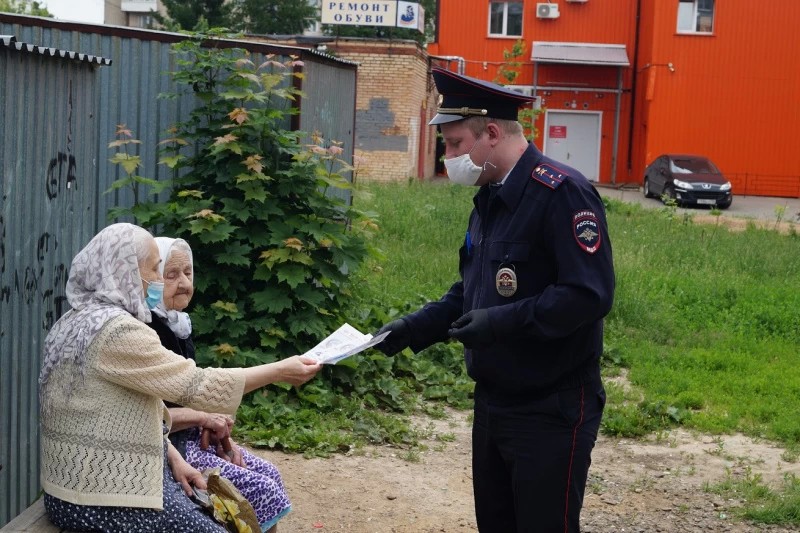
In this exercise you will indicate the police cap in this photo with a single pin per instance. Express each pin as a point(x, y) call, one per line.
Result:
point(463, 96)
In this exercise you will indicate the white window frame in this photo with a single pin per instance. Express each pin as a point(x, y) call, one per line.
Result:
point(692, 19)
point(505, 20)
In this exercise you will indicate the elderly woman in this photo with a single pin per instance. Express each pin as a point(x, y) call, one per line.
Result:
point(106, 465)
point(257, 479)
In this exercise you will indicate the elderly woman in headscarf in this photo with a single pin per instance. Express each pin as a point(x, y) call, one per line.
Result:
point(106, 464)
point(258, 480)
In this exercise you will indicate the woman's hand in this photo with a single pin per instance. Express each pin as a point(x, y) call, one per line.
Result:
point(215, 428)
point(231, 452)
point(183, 472)
point(294, 370)
point(298, 369)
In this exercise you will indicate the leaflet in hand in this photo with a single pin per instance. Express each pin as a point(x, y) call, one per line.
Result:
point(342, 343)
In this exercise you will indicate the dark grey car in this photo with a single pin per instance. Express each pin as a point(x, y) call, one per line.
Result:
point(687, 179)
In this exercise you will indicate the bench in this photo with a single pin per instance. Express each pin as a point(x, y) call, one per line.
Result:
point(34, 518)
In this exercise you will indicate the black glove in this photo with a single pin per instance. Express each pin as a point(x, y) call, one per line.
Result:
point(473, 329)
point(397, 340)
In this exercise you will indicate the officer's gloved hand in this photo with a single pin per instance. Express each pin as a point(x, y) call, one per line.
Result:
point(473, 329)
point(397, 340)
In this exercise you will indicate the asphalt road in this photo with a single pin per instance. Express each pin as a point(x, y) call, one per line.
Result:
point(757, 207)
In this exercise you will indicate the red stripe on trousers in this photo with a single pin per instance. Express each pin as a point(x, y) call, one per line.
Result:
point(571, 457)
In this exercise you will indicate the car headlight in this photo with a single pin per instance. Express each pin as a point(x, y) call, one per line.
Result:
point(726, 186)
point(682, 184)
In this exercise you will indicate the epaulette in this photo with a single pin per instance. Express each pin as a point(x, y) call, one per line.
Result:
point(548, 175)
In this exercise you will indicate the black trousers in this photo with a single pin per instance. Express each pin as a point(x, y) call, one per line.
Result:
point(530, 459)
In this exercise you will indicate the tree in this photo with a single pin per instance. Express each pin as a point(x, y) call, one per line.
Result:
point(275, 16)
point(507, 74)
point(194, 14)
point(24, 7)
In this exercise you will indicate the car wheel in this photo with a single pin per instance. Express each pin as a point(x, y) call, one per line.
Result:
point(669, 194)
point(646, 189)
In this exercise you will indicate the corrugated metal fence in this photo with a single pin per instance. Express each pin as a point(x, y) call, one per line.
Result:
point(59, 112)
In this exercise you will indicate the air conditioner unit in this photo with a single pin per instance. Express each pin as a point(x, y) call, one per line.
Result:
point(547, 11)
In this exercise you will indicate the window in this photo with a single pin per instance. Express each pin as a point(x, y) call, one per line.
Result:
point(695, 16)
point(505, 18)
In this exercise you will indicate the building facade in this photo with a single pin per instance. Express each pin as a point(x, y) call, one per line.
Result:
point(623, 81)
point(394, 102)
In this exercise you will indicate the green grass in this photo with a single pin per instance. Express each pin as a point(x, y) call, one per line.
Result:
point(760, 503)
point(421, 229)
point(706, 321)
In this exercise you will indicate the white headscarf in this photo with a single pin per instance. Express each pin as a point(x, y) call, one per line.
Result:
point(178, 321)
point(104, 282)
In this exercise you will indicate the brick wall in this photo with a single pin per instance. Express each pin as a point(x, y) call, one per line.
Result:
point(393, 106)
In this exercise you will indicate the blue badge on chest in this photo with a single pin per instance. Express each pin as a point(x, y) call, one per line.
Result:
point(586, 230)
point(548, 175)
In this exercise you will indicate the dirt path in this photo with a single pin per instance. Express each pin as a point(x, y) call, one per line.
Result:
point(634, 486)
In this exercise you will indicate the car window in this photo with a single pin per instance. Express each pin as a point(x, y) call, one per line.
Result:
point(692, 166)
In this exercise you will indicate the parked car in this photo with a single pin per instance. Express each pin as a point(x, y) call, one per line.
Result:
point(687, 179)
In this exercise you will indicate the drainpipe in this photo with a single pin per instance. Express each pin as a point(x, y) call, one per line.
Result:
point(461, 63)
point(633, 85)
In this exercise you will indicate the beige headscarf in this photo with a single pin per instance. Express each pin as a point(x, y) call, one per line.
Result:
point(104, 282)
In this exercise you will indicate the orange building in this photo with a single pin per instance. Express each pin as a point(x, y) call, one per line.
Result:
point(623, 81)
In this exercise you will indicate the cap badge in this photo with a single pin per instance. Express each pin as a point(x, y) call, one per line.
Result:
point(506, 282)
point(440, 100)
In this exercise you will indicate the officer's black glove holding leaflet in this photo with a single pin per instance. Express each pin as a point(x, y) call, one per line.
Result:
point(398, 339)
point(473, 329)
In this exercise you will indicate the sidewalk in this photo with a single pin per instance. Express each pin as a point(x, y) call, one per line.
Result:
point(757, 207)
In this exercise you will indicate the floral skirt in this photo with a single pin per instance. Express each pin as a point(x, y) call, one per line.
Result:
point(260, 482)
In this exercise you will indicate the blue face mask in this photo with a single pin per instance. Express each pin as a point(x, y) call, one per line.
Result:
point(155, 291)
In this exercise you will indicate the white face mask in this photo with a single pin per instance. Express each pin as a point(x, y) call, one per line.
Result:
point(462, 170)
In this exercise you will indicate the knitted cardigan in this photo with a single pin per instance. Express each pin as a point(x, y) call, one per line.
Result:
point(102, 444)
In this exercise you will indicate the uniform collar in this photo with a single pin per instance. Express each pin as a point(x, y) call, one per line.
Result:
point(514, 185)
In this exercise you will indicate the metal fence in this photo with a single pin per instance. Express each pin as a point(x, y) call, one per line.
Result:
point(58, 112)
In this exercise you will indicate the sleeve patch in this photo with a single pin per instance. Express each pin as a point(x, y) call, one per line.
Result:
point(586, 230)
point(548, 175)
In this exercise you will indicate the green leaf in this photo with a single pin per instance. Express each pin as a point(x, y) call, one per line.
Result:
point(171, 161)
point(228, 309)
point(293, 275)
point(272, 300)
point(235, 254)
point(253, 191)
point(128, 162)
point(309, 294)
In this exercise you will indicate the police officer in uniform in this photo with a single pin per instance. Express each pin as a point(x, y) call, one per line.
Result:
point(536, 281)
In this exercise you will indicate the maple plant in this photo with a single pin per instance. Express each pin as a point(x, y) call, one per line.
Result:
point(272, 250)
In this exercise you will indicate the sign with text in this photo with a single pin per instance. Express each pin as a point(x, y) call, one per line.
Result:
point(558, 132)
point(374, 13)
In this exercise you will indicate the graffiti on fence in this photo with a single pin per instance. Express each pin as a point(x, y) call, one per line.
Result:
point(37, 283)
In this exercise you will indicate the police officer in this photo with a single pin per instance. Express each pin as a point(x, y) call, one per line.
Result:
point(537, 279)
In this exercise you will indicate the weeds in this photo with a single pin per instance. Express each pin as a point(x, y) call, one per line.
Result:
point(760, 503)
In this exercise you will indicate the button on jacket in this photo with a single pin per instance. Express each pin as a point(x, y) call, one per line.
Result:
point(547, 224)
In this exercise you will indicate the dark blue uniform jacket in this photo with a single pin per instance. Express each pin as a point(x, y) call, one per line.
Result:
point(547, 223)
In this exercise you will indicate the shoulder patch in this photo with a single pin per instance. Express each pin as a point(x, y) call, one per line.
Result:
point(586, 230)
point(549, 176)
